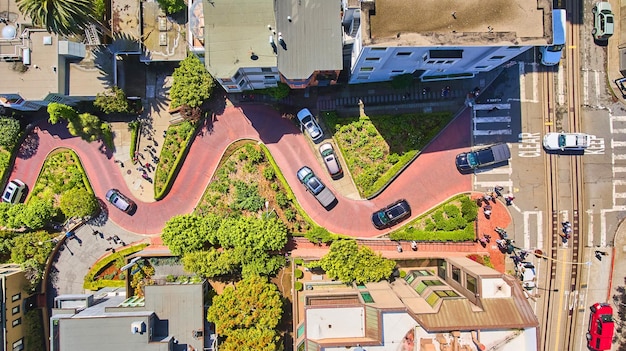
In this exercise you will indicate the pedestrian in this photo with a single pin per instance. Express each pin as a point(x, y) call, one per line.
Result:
point(414, 245)
point(487, 210)
point(498, 190)
point(509, 199)
point(487, 197)
point(399, 248)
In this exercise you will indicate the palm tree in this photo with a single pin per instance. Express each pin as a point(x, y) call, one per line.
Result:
point(63, 17)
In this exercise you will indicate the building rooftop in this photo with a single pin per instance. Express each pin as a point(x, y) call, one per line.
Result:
point(456, 23)
point(163, 38)
point(237, 35)
point(312, 35)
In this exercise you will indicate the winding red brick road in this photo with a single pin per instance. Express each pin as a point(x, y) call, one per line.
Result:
point(428, 181)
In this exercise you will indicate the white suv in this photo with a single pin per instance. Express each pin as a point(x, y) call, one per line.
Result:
point(14, 191)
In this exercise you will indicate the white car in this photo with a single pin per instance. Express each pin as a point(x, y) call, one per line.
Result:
point(310, 124)
point(330, 160)
point(566, 141)
point(13, 192)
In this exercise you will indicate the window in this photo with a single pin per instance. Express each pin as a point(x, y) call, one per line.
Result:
point(378, 49)
point(372, 58)
point(481, 67)
point(445, 54)
point(497, 57)
point(17, 322)
point(366, 69)
point(397, 71)
point(403, 53)
point(441, 270)
point(15, 310)
point(237, 75)
point(470, 283)
point(18, 345)
point(456, 274)
point(265, 69)
point(269, 77)
point(363, 76)
point(16, 297)
point(227, 80)
point(243, 81)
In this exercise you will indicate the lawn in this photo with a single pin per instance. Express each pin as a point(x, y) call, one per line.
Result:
point(61, 172)
point(244, 181)
point(451, 221)
point(376, 148)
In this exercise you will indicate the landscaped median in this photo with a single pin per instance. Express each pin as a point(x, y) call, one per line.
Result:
point(175, 147)
point(93, 280)
point(376, 148)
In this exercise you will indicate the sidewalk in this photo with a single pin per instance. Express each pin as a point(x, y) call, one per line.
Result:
point(613, 56)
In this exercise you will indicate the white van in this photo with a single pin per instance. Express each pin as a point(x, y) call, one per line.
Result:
point(551, 55)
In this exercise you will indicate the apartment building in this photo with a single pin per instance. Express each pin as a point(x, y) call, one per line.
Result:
point(15, 303)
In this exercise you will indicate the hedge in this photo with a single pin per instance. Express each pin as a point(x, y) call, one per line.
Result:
point(298, 286)
point(298, 274)
point(90, 284)
point(134, 132)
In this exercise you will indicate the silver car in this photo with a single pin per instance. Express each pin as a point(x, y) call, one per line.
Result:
point(603, 25)
point(310, 125)
point(330, 160)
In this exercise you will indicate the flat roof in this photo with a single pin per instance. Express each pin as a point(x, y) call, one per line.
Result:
point(237, 35)
point(313, 37)
point(453, 22)
point(163, 38)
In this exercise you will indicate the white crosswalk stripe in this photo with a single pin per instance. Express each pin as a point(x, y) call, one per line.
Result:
point(618, 159)
point(491, 119)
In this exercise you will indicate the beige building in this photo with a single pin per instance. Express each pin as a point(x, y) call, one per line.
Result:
point(13, 300)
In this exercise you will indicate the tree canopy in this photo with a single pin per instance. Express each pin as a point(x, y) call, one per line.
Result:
point(9, 132)
point(192, 84)
point(37, 213)
point(348, 262)
point(35, 246)
point(112, 101)
point(85, 125)
point(78, 202)
point(189, 232)
point(172, 6)
point(253, 304)
point(64, 17)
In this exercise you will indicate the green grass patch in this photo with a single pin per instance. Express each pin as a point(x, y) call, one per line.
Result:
point(453, 220)
point(175, 147)
point(61, 172)
point(134, 134)
point(90, 284)
point(376, 148)
point(237, 189)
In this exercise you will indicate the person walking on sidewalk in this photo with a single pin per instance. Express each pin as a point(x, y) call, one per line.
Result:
point(509, 199)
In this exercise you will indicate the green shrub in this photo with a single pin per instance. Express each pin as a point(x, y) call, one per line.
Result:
point(90, 284)
point(298, 274)
point(170, 278)
point(133, 126)
point(299, 261)
point(290, 215)
point(402, 274)
point(247, 197)
point(122, 276)
point(469, 209)
point(268, 173)
point(298, 286)
point(109, 276)
point(282, 200)
point(320, 235)
point(254, 155)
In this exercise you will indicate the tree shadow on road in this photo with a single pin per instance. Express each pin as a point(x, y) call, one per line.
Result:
point(29, 147)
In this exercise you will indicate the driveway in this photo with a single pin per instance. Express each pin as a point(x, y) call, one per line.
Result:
point(428, 181)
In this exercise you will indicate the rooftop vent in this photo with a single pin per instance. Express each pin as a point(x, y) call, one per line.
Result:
point(138, 327)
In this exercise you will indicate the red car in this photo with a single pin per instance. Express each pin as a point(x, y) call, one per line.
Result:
point(601, 327)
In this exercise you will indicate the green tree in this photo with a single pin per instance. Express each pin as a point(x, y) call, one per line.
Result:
point(279, 92)
point(348, 262)
point(37, 213)
point(188, 233)
point(172, 6)
point(252, 339)
point(63, 17)
point(211, 263)
point(192, 83)
point(57, 111)
point(254, 303)
point(253, 233)
point(78, 202)
point(112, 101)
point(9, 132)
point(35, 246)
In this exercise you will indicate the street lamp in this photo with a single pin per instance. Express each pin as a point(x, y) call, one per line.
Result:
point(267, 214)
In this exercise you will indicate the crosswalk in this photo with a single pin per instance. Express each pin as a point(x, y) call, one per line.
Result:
point(491, 119)
point(618, 160)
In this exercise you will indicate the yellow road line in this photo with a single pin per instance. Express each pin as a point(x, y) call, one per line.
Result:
point(557, 333)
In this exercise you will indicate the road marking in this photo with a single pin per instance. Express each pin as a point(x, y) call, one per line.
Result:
point(596, 146)
point(561, 85)
point(585, 88)
point(617, 143)
point(618, 118)
point(527, 232)
point(522, 81)
point(493, 132)
point(483, 107)
point(590, 228)
point(619, 157)
point(530, 145)
point(502, 119)
point(598, 86)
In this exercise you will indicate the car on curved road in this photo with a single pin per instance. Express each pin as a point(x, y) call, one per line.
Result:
point(566, 141)
point(601, 327)
point(467, 161)
point(310, 125)
point(119, 200)
point(13, 191)
point(315, 186)
point(391, 215)
point(330, 160)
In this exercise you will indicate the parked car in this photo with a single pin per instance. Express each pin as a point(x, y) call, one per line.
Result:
point(391, 215)
point(601, 327)
point(310, 125)
point(120, 201)
point(603, 25)
point(527, 274)
point(566, 141)
point(315, 186)
point(330, 160)
point(14, 191)
point(467, 161)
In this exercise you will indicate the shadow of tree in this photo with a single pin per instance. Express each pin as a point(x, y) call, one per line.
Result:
point(102, 217)
point(29, 147)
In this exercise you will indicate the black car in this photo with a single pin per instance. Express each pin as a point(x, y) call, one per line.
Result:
point(392, 214)
point(467, 161)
